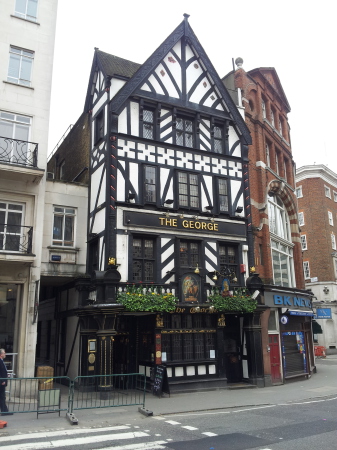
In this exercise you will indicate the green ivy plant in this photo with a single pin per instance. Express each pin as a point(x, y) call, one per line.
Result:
point(240, 301)
point(145, 298)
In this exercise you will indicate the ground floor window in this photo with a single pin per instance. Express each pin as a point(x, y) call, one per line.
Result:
point(188, 346)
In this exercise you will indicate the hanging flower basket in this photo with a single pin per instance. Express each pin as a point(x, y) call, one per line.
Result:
point(143, 299)
point(239, 301)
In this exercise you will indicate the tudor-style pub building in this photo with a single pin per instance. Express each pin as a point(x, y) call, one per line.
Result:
point(169, 208)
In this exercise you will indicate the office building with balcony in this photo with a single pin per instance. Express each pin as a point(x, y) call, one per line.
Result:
point(26, 54)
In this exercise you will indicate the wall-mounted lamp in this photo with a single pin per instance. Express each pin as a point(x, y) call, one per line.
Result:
point(239, 210)
point(326, 290)
point(131, 198)
point(209, 208)
point(168, 202)
point(197, 270)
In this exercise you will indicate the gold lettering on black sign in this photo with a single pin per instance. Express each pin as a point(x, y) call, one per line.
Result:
point(189, 224)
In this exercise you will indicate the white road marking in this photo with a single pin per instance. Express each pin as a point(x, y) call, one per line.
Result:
point(144, 446)
point(63, 432)
point(187, 427)
point(172, 422)
point(74, 441)
point(158, 418)
point(209, 433)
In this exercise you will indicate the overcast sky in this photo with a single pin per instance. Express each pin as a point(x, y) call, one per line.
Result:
point(295, 37)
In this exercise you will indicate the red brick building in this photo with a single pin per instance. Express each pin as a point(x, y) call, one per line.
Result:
point(274, 223)
point(316, 190)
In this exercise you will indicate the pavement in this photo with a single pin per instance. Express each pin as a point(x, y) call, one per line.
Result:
point(320, 385)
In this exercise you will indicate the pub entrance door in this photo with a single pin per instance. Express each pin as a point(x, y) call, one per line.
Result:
point(275, 361)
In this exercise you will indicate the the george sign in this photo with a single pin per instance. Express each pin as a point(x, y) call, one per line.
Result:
point(323, 313)
point(160, 382)
point(174, 223)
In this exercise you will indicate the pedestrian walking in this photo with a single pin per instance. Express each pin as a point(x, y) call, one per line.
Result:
point(3, 384)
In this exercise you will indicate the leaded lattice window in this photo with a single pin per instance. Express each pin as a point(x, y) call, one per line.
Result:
point(148, 124)
point(143, 259)
point(217, 139)
point(150, 184)
point(223, 194)
point(184, 132)
point(189, 254)
point(188, 188)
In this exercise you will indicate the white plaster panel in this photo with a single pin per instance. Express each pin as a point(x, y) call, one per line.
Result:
point(175, 68)
point(209, 185)
point(203, 200)
point(164, 173)
point(189, 52)
point(102, 255)
point(95, 181)
point(204, 145)
point(237, 151)
point(122, 254)
point(235, 169)
point(203, 125)
point(209, 101)
point(179, 372)
point(134, 174)
point(153, 81)
point(122, 122)
point(211, 369)
point(166, 254)
point(190, 370)
point(163, 156)
point(192, 74)
point(99, 223)
point(169, 372)
point(177, 49)
point(145, 87)
point(151, 153)
point(134, 109)
point(116, 85)
point(167, 120)
point(100, 103)
point(232, 136)
point(235, 186)
point(120, 184)
point(172, 92)
point(220, 107)
point(200, 91)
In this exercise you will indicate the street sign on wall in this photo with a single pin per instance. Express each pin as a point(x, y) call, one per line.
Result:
point(323, 313)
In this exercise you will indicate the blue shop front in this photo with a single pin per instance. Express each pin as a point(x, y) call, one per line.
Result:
point(290, 326)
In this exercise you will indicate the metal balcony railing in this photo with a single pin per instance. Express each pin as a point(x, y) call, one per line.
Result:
point(14, 151)
point(15, 238)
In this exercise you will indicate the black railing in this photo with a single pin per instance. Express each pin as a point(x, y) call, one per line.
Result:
point(14, 151)
point(16, 238)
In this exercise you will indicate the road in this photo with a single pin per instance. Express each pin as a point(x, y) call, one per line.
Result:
point(310, 424)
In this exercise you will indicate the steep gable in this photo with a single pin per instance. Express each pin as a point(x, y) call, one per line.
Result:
point(271, 76)
point(180, 72)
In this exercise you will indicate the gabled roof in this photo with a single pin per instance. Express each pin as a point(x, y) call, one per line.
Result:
point(114, 66)
point(138, 74)
point(271, 76)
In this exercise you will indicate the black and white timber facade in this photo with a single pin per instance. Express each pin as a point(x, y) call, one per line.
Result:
point(168, 200)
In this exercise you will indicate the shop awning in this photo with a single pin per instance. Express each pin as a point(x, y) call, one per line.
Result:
point(300, 312)
point(316, 328)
